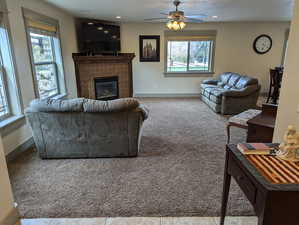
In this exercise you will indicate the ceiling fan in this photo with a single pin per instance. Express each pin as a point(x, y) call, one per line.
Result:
point(176, 19)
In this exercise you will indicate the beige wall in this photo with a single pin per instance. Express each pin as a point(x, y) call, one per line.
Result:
point(6, 199)
point(234, 52)
point(289, 101)
point(68, 43)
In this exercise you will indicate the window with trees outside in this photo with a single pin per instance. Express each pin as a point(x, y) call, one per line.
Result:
point(189, 56)
point(46, 59)
point(190, 52)
point(44, 65)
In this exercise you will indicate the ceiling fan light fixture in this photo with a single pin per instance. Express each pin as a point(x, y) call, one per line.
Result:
point(169, 25)
point(176, 25)
point(182, 25)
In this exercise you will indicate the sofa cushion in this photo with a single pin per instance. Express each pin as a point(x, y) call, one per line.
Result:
point(216, 99)
point(204, 86)
point(224, 78)
point(234, 79)
point(245, 81)
point(212, 105)
point(207, 91)
point(227, 87)
point(220, 84)
point(216, 95)
point(117, 105)
point(56, 105)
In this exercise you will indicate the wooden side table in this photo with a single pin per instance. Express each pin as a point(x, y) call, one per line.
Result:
point(261, 127)
point(241, 120)
point(270, 184)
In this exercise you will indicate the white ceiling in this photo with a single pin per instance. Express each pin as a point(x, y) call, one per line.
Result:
point(138, 10)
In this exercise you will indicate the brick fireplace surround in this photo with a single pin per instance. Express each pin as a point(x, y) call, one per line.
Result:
point(90, 67)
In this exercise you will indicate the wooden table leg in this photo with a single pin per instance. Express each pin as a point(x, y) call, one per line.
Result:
point(225, 193)
point(228, 133)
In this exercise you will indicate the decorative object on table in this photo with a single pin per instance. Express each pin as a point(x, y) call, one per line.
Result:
point(231, 93)
point(289, 149)
point(275, 84)
point(262, 44)
point(149, 48)
point(240, 120)
point(176, 20)
point(258, 148)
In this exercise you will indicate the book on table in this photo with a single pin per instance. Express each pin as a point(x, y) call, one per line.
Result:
point(258, 148)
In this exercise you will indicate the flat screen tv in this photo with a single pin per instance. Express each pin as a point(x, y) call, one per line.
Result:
point(97, 37)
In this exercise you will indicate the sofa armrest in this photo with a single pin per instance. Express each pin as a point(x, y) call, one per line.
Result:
point(213, 82)
point(242, 92)
point(144, 111)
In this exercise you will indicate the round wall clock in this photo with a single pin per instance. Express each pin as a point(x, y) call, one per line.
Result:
point(262, 44)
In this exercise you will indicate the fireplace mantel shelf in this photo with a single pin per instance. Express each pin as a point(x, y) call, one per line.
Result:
point(121, 58)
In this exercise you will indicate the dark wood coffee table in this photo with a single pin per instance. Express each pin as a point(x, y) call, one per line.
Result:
point(270, 184)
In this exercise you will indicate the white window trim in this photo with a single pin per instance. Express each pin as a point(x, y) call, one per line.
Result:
point(57, 51)
point(190, 35)
point(285, 47)
point(11, 121)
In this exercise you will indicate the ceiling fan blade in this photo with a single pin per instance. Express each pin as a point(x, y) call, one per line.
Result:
point(162, 13)
point(194, 20)
point(200, 15)
point(155, 19)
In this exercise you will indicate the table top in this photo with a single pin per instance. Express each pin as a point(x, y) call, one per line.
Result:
point(269, 171)
point(263, 120)
point(275, 170)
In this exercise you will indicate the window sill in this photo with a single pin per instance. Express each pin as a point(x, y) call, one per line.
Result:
point(189, 74)
point(12, 123)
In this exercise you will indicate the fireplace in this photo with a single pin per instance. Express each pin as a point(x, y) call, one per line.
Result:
point(106, 88)
point(88, 68)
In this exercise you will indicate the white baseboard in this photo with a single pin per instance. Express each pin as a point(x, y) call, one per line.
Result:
point(11, 218)
point(165, 95)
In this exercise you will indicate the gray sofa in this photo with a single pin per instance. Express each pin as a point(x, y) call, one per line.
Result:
point(85, 128)
point(231, 93)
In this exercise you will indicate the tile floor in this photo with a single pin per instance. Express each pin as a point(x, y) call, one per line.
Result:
point(143, 221)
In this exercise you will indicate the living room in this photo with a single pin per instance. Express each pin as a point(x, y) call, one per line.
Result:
point(168, 174)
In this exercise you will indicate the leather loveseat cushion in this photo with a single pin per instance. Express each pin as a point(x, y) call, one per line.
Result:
point(245, 81)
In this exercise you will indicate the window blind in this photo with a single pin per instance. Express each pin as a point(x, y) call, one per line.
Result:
point(40, 24)
point(189, 35)
point(41, 28)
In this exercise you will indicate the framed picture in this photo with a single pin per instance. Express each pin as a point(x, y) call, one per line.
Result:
point(149, 48)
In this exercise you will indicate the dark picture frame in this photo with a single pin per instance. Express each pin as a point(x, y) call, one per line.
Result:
point(149, 48)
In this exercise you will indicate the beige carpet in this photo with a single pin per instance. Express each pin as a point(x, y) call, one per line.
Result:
point(179, 172)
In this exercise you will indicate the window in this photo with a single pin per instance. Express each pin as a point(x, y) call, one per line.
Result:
point(44, 43)
point(44, 65)
point(4, 106)
point(187, 53)
point(10, 108)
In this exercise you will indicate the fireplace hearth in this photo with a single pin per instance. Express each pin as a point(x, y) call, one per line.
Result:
point(106, 88)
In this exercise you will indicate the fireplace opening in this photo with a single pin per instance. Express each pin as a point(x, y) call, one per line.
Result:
point(106, 88)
